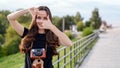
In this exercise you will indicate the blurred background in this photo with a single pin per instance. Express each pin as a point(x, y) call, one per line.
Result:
point(77, 18)
point(108, 10)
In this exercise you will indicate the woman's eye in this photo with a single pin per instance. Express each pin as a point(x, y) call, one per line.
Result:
point(45, 18)
point(38, 17)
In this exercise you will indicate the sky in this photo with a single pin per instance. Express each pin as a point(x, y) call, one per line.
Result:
point(109, 10)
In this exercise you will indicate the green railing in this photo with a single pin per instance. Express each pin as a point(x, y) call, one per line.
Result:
point(71, 57)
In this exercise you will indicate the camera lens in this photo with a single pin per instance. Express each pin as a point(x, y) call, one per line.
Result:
point(38, 60)
point(39, 53)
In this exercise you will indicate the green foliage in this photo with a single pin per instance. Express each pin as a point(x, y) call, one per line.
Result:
point(87, 24)
point(77, 18)
point(12, 42)
point(12, 47)
point(87, 31)
point(80, 26)
point(1, 53)
point(25, 18)
point(3, 24)
point(1, 39)
point(3, 20)
point(57, 21)
point(68, 21)
point(5, 12)
point(95, 19)
point(12, 61)
point(8, 37)
point(69, 34)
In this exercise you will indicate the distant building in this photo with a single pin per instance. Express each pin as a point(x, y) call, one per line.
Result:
point(103, 27)
point(74, 28)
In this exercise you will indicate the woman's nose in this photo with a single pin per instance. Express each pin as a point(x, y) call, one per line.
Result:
point(40, 20)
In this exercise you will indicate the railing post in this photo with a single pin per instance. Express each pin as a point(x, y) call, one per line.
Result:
point(65, 57)
point(70, 57)
point(74, 54)
point(79, 49)
point(58, 62)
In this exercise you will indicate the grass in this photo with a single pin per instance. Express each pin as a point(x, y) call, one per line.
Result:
point(12, 61)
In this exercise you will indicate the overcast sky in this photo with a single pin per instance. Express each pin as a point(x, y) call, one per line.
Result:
point(109, 9)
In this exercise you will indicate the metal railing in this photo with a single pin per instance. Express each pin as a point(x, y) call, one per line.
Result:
point(71, 57)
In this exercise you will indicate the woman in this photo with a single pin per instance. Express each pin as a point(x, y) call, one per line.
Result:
point(41, 32)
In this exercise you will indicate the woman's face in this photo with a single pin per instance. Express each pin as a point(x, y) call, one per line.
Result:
point(41, 17)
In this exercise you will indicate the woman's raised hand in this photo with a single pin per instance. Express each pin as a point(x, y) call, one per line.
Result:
point(33, 12)
point(47, 24)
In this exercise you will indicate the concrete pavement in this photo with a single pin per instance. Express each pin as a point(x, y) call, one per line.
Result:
point(106, 52)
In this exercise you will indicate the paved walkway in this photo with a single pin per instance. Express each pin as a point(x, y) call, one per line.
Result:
point(106, 52)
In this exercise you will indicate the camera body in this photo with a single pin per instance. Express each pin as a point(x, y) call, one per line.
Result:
point(38, 53)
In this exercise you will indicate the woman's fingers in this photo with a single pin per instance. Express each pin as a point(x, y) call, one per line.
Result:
point(33, 11)
point(48, 17)
point(36, 10)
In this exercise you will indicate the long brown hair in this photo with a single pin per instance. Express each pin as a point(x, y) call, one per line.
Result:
point(51, 38)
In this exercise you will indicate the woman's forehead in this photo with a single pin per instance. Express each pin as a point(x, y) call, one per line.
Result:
point(41, 13)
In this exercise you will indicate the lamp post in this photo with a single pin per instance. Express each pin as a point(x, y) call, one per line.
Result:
point(63, 25)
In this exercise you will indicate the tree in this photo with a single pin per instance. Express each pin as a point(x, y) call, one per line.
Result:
point(1, 53)
point(68, 19)
point(80, 26)
point(3, 24)
point(77, 18)
point(25, 18)
point(5, 12)
point(95, 19)
point(3, 17)
point(12, 42)
point(87, 23)
point(1, 39)
point(57, 21)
